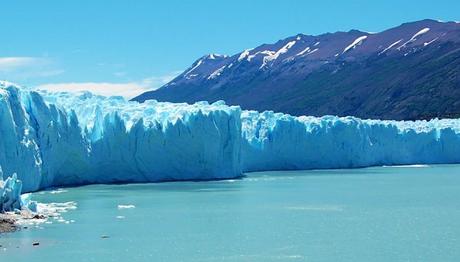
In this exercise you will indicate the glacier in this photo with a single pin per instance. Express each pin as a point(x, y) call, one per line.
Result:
point(10, 195)
point(61, 139)
point(276, 141)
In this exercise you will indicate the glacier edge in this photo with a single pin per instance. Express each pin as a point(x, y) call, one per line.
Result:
point(58, 139)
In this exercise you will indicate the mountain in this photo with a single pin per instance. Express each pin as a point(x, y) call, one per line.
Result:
point(408, 72)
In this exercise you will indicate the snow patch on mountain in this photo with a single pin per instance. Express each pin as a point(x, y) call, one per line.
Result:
point(304, 51)
point(358, 41)
point(430, 42)
point(264, 52)
point(194, 67)
point(390, 46)
point(414, 37)
point(243, 55)
point(272, 57)
point(217, 73)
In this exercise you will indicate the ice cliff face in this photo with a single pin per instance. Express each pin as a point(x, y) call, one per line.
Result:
point(54, 139)
point(106, 140)
point(275, 141)
point(10, 195)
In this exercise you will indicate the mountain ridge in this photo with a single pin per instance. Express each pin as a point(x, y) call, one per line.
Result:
point(318, 75)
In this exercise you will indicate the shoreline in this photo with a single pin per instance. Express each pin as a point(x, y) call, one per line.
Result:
point(8, 223)
point(11, 222)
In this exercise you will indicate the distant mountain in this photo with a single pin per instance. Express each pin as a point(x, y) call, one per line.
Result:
point(408, 72)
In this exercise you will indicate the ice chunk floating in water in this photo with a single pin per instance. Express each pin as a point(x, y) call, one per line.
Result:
point(55, 139)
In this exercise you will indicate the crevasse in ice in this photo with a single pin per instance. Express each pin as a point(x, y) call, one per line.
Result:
point(55, 139)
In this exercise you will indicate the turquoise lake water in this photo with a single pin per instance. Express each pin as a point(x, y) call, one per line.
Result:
point(371, 214)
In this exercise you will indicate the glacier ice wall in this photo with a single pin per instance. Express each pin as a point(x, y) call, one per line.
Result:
point(10, 193)
point(55, 139)
point(92, 139)
point(275, 141)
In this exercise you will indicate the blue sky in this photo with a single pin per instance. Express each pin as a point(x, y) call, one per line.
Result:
point(126, 47)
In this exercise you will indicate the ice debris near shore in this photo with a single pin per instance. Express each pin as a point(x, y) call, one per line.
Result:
point(55, 139)
point(10, 195)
